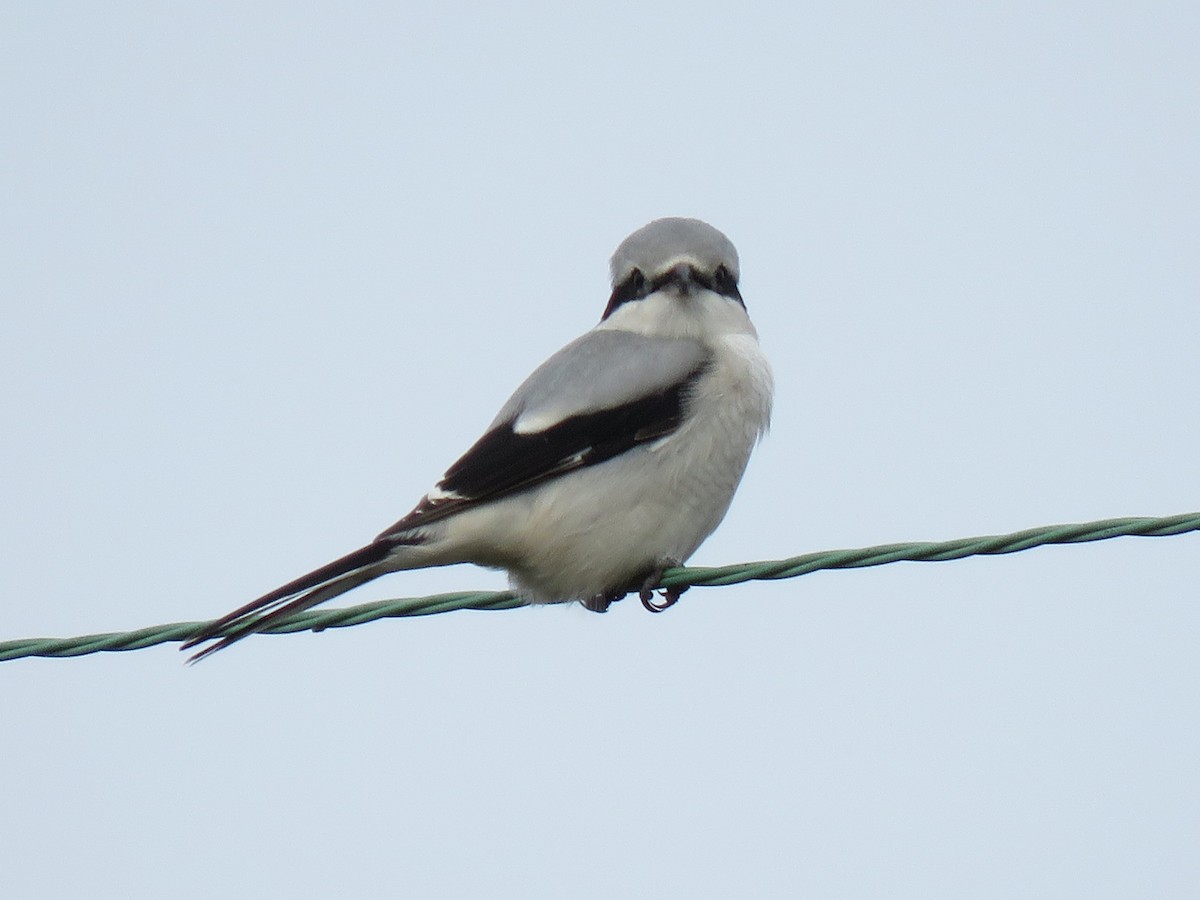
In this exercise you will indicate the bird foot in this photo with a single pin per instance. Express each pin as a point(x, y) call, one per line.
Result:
point(601, 602)
point(670, 596)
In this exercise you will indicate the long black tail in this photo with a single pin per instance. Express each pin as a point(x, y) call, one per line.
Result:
point(322, 584)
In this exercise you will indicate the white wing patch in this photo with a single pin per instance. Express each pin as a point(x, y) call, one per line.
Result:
point(538, 420)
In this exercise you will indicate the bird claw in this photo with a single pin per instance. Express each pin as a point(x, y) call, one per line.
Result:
point(670, 598)
point(670, 595)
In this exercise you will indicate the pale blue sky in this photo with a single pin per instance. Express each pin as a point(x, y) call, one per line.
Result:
point(267, 270)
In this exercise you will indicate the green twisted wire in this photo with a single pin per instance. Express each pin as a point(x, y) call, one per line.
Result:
point(320, 619)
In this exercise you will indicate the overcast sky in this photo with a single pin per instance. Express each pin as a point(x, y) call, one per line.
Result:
point(267, 270)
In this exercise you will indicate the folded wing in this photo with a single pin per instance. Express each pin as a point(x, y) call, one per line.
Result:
point(598, 397)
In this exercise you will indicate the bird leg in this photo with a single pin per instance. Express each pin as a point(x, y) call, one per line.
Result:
point(670, 595)
point(601, 602)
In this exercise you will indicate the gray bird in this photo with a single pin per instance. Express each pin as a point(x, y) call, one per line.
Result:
point(613, 461)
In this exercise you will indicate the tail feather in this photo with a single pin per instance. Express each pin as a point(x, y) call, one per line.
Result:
point(325, 583)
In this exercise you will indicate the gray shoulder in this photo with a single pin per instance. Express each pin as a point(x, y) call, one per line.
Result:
point(601, 370)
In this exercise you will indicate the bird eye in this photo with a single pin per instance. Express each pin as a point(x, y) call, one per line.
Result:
point(632, 288)
point(723, 279)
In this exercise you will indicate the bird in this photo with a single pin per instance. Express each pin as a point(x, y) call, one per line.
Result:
point(611, 463)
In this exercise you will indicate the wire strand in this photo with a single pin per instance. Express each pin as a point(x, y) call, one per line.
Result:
point(767, 570)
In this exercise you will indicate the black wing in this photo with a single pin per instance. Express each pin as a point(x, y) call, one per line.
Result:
point(505, 461)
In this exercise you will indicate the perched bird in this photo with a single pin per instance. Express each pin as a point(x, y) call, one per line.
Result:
point(613, 461)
